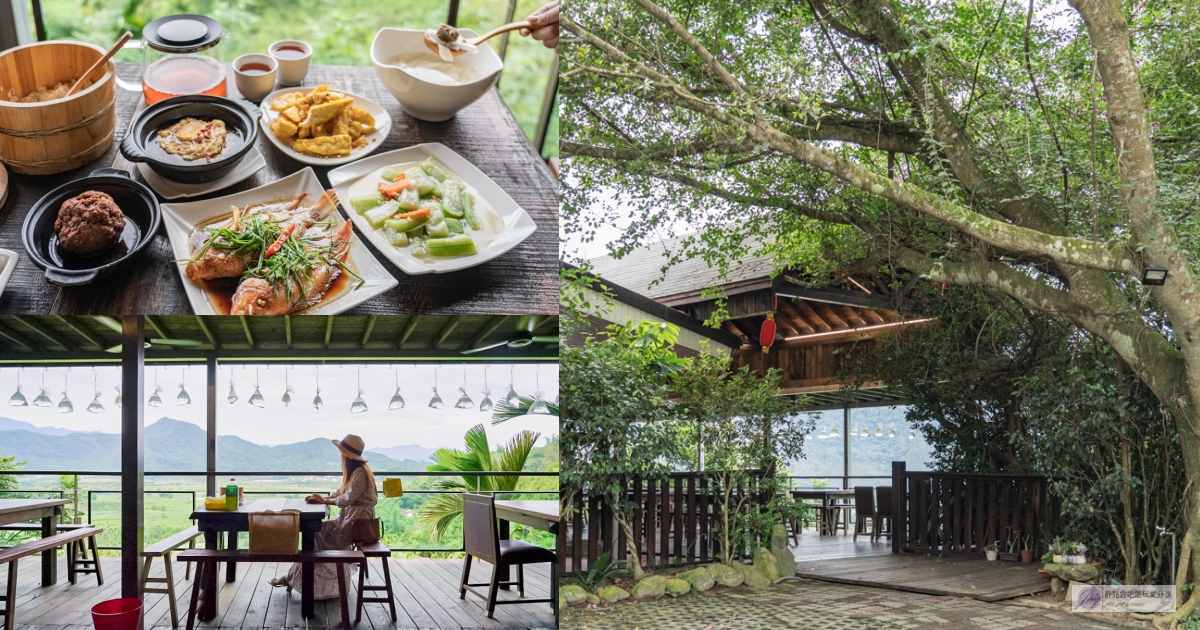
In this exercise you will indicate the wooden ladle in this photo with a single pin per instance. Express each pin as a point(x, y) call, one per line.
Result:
point(432, 45)
point(101, 63)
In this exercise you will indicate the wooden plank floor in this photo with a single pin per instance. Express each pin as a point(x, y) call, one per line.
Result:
point(814, 546)
point(960, 577)
point(426, 597)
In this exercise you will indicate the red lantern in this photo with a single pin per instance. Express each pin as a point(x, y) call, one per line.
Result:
point(766, 336)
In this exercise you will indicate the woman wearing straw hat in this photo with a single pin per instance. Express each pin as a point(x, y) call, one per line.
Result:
point(357, 498)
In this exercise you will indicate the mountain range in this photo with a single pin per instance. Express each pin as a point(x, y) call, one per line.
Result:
point(172, 445)
point(8, 424)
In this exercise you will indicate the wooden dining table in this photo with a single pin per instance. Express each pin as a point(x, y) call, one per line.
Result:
point(213, 523)
point(524, 280)
point(45, 510)
point(827, 497)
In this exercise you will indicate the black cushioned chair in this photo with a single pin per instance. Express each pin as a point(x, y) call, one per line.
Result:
point(481, 539)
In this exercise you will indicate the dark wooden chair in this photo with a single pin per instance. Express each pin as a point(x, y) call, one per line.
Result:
point(375, 549)
point(883, 512)
point(481, 539)
point(864, 508)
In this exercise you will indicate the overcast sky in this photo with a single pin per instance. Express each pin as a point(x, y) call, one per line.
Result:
point(277, 424)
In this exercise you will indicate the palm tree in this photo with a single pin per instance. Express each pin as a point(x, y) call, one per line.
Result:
point(443, 509)
point(504, 411)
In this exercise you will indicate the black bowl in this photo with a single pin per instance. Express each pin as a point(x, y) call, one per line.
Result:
point(142, 218)
point(241, 116)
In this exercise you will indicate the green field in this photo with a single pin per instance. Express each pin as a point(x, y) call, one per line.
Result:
point(340, 33)
point(167, 510)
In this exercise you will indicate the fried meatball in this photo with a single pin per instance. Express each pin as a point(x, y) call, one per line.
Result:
point(89, 224)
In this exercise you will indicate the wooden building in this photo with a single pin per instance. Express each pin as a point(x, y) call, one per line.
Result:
point(815, 327)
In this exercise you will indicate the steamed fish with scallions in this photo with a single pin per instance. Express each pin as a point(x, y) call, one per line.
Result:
point(285, 256)
point(426, 209)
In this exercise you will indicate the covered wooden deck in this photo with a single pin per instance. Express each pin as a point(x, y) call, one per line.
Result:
point(863, 563)
point(426, 597)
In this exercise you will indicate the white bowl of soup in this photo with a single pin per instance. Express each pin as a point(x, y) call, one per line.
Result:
point(428, 87)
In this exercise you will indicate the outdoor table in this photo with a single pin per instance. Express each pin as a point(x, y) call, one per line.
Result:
point(537, 514)
point(211, 523)
point(827, 497)
point(21, 510)
point(523, 280)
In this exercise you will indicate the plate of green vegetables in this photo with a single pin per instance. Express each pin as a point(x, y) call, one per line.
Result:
point(429, 210)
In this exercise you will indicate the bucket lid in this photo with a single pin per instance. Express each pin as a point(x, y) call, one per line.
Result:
point(182, 33)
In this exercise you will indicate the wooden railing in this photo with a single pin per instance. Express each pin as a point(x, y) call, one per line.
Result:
point(676, 520)
point(947, 513)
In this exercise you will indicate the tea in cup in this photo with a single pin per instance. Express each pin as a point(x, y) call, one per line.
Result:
point(294, 57)
point(255, 75)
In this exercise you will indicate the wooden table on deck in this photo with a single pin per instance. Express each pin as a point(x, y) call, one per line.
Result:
point(827, 496)
point(21, 510)
point(524, 280)
point(213, 522)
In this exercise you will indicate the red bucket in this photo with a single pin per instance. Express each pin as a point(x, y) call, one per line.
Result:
point(117, 614)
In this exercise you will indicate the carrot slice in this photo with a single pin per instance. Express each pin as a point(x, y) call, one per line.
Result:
point(415, 215)
point(275, 247)
point(394, 189)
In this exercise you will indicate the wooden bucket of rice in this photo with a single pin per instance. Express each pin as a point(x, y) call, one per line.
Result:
point(42, 133)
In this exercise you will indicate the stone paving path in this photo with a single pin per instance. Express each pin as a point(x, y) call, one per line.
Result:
point(805, 604)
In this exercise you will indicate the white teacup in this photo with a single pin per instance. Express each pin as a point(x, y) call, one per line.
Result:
point(252, 81)
point(294, 57)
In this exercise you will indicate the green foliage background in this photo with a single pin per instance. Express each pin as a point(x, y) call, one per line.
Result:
point(339, 31)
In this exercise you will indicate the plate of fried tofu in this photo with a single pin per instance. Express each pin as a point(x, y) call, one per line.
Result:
point(324, 126)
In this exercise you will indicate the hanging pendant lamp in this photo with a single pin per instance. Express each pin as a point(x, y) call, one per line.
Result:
point(512, 398)
point(117, 400)
point(359, 405)
point(64, 405)
point(43, 399)
point(464, 401)
point(183, 398)
point(486, 403)
point(287, 387)
point(539, 406)
point(232, 397)
point(317, 402)
point(18, 399)
point(156, 398)
point(256, 398)
point(436, 401)
point(397, 401)
point(95, 406)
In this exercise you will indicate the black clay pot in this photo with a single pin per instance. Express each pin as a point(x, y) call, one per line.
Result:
point(238, 115)
point(142, 218)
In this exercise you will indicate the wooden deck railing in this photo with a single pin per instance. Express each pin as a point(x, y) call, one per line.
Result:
point(944, 513)
point(676, 520)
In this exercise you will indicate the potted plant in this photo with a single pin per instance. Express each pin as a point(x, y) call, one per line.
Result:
point(992, 552)
point(1026, 550)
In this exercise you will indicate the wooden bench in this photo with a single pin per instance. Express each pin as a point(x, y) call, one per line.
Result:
point(76, 549)
point(208, 558)
point(11, 555)
point(163, 549)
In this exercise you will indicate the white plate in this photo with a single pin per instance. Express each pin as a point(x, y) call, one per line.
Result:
point(8, 262)
point(180, 219)
point(518, 225)
point(252, 163)
point(383, 124)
